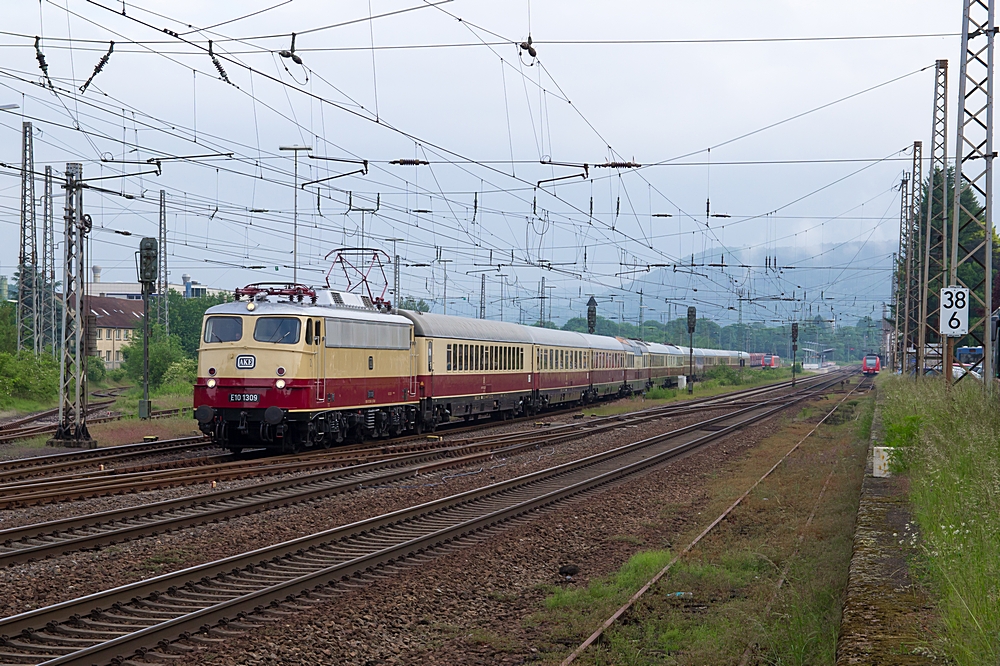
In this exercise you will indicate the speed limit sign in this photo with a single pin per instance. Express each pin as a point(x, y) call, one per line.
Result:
point(954, 312)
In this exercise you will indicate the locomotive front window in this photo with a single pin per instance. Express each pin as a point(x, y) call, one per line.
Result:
point(223, 329)
point(279, 330)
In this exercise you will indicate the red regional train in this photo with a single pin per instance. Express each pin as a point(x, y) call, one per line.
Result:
point(292, 368)
point(770, 361)
point(871, 365)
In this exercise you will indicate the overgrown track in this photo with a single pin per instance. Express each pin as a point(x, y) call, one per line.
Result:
point(239, 592)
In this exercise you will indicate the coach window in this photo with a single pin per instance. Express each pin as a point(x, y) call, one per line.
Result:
point(220, 329)
point(371, 363)
point(448, 358)
point(430, 356)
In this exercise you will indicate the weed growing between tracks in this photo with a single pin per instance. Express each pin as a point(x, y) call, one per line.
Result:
point(948, 450)
point(712, 604)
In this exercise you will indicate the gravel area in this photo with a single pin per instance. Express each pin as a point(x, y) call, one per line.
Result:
point(41, 583)
point(475, 605)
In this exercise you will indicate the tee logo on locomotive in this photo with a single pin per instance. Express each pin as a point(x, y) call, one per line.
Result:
point(246, 362)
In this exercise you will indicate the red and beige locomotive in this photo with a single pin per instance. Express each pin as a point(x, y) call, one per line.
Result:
point(292, 368)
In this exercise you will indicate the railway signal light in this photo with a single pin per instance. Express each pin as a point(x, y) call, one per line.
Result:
point(149, 256)
point(149, 269)
point(591, 315)
point(692, 322)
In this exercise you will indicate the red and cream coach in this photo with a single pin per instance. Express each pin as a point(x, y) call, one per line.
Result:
point(289, 368)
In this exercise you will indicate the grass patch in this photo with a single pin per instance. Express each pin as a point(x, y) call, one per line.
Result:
point(949, 439)
point(165, 560)
point(714, 603)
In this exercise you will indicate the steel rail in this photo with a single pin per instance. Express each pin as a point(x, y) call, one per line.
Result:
point(111, 481)
point(29, 542)
point(105, 625)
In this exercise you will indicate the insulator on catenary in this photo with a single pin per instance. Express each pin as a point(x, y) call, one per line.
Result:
point(619, 165)
point(40, 57)
point(410, 162)
point(218, 65)
point(97, 69)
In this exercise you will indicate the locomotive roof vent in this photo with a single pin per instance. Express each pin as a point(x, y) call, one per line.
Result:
point(344, 299)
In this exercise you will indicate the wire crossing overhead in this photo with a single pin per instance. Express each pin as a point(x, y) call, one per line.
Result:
point(972, 228)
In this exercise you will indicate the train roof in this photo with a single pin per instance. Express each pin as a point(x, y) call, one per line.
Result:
point(429, 325)
point(326, 305)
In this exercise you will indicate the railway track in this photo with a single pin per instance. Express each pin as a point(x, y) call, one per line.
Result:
point(46, 429)
point(61, 536)
point(22, 490)
point(217, 600)
point(22, 468)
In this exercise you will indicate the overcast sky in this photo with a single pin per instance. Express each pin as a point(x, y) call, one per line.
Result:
point(484, 113)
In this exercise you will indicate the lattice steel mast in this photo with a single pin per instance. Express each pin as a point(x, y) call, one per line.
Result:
point(163, 286)
point(906, 247)
point(971, 263)
point(915, 286)
point(935, 219)
point(27, 263)
point(72, 429)
point(48, 296)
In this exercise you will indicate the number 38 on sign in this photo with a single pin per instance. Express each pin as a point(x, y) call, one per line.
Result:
point(954, 312)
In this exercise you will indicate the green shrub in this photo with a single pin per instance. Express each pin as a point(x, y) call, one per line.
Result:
point(180, 373)
point(660, 393)
point(96, 370)
point(25, 377)
point(164, 351)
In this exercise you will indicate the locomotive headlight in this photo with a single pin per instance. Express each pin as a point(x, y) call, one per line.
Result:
point(210, 383)
point(280, 383)
point(251, 306)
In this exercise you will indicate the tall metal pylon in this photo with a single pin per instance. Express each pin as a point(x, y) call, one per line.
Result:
point(482, 297)
point(163, 285)
point(971, 263)
point(935, 221)
point(48, 275)
point(72, 428)
point(27, 262)
point(906, 272)
point(894, 304)
point(914, 203)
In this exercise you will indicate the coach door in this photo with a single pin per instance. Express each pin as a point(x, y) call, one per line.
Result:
point(411, 383)
point(314, 337)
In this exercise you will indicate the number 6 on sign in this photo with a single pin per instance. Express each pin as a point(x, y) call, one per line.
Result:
point(954, 312)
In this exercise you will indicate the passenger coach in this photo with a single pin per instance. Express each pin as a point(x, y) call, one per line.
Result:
point(289, 368)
